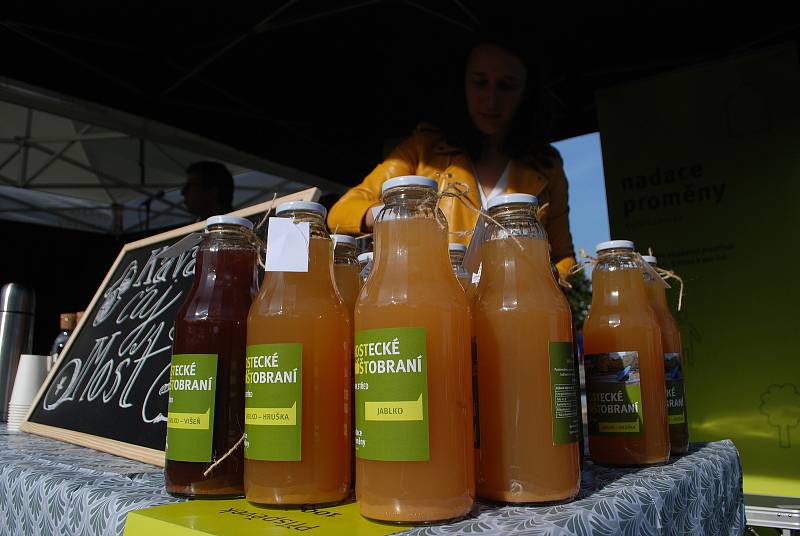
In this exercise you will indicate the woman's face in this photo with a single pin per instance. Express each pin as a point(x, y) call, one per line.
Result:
point(494, 85)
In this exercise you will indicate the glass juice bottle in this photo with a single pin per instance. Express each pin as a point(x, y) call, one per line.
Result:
point(624, 364)
point(297, 402)
point(414, 437)
point(206, 398)
point(526, 382)
point(457, 252)
point(365, 263)
point(673, 363)
point(346, 269)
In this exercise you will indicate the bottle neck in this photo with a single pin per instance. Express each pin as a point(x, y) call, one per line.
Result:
point(408, 202)
point(514, 219)
point(457, 263)
point(617, 279)
point(411, 234)
point(222, 236)
point(656, 293)
point(315, 220)
point(344, 254)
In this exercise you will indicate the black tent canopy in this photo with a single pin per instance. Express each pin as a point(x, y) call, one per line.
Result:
point(319, 85)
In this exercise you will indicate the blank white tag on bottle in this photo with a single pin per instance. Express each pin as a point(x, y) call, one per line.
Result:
point(472, 258)
point(287, 245)
point(181, 246)
point(476, 277)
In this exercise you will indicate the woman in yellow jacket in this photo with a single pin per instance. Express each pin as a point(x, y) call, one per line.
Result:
point(493, 151)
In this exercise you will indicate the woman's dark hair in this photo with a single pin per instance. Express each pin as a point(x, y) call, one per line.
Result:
point(527, 136)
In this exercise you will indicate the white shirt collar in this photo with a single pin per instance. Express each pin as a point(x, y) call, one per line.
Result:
point(499, 188)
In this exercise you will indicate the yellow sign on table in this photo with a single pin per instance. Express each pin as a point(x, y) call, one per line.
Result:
point(238, 517)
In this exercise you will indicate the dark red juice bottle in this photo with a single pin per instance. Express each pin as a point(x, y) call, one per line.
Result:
point(206, 403)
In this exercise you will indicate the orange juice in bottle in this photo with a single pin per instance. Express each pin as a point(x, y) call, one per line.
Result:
point(624, 363)
point(457, 252)
point(414, 445)
point(297, 398)
point(526, 383)
point(346, 269)
point(673, 363)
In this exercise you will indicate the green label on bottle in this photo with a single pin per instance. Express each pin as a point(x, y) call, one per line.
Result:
point(190, 419)
point(273, 402)
point(564, 401)
point(613, 393)
point(673, 372)
point(391, 380)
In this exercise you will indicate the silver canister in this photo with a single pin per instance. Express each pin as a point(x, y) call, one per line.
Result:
point(17, 308)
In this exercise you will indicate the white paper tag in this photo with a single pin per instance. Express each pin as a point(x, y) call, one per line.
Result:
point(650, 272)
point(181, 246)
point(287, 245)
point(476, 277)
point(472, 258)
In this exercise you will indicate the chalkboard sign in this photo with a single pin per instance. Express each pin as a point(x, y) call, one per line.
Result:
point(110, 386)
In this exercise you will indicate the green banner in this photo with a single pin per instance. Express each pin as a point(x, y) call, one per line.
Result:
point(273, 402)
point(563, 399)
point(190, 419)
point(391, 380)
point(702, 165)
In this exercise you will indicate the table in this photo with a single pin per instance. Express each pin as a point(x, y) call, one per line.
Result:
point(49, 487)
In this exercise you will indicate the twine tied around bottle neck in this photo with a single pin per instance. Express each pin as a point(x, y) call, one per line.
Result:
point(663, 273)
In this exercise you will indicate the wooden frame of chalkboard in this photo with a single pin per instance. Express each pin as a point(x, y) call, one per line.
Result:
point(108, 389)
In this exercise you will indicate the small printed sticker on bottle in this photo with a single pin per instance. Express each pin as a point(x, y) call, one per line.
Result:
point(564, 399)
point(673, 373)
point(613, 393)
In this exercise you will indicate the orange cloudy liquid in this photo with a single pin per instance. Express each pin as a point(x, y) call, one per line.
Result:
point(671, 343)
point(518, 313)
point(411, 286)
point(348, 283)
point(621, 320)
point(305, 308)
point(346, 270)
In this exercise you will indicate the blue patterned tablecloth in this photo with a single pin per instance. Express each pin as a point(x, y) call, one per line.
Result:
point(49, 487)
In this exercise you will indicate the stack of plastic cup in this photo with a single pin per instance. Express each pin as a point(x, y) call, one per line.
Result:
point(31, 373)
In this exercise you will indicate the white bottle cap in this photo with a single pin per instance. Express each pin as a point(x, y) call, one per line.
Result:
point(649, 259)
point(365, 257)
point(506, 199)
point(229, 220)
point(455, 246)
point(409, 180)
point(614, 244)
point(308, 206)
point(343, 239)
